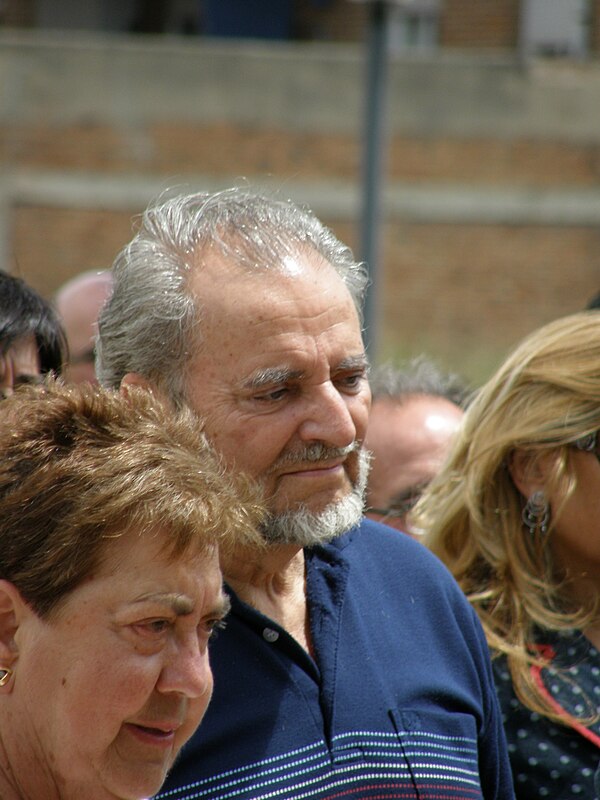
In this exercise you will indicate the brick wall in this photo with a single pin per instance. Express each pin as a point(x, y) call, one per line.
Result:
point(17, 13)
point(479, 23)
point(339, 21)
point(465, 293)
point(51, 244)
point(177, 148)
point(478, 287)
point(462, 291)
point(594, 27)
point(469, 292)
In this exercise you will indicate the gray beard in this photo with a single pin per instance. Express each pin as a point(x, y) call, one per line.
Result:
point(306, 528)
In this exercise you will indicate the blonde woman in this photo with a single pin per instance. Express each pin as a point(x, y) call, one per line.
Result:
point(515, 515)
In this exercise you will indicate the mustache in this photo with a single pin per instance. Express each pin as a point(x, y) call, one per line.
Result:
point(313, 453)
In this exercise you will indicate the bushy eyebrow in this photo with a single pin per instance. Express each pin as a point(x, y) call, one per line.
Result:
point(352, 363)
point(272, 376)
point(223, 608)
point(183, 605)
point(275, 376)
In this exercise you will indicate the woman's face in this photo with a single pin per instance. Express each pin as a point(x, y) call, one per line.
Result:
point(575, 542)
point(106, 692)
point(20, 363)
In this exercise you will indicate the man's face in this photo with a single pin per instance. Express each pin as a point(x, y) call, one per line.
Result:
point(409, 442)
point(279, 378)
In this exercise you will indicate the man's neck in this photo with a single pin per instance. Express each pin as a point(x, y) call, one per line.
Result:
point(274, 582)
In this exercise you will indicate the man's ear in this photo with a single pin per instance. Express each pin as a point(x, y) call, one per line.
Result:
point(141, 382)
point(530, 471)
point(12, 611)
point(135, 379)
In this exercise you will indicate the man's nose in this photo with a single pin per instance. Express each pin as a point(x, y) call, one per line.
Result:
point(328, 418)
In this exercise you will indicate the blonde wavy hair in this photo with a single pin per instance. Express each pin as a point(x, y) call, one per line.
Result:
point(543, 398)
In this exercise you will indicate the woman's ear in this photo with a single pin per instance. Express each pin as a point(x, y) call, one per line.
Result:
point(12, 610)
point(530, 471)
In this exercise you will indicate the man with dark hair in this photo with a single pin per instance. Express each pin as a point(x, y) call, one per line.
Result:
point(351, 665)
point(32, 342)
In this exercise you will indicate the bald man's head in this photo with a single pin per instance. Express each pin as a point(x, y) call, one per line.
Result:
point(78, 303)
point(409, 441)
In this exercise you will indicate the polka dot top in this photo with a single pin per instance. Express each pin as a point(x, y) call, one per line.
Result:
point(558, 762)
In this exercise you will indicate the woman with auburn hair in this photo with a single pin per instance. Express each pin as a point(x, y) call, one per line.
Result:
point(515, 515)
point(112, 510)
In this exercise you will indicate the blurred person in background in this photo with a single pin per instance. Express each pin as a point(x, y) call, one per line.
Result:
point(350, 656)
point(32, 342)
point(415, 413)
point(594, 303)
point(78, 303)
point(515, 515)
point(112, 511)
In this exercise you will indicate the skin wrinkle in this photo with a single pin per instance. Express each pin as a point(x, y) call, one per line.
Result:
point(284, 311)
point(302, 333)
point(155, 680)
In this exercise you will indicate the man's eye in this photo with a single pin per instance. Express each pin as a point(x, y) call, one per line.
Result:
point(352, 381)
point(215, 625)
point(272, 397)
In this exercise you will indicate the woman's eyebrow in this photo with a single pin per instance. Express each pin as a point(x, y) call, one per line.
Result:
point(182, 605)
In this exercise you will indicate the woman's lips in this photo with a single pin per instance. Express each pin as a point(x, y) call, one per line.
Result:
point(157, 735)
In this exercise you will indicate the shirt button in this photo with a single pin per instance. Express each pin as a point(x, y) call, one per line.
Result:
point(270, 635)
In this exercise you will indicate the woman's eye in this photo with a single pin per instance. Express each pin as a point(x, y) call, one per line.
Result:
point(154, 627)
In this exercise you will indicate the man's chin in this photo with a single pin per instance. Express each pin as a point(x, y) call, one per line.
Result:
point(305, 528)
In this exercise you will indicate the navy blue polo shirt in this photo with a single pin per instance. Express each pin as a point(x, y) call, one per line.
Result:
point(399, 701)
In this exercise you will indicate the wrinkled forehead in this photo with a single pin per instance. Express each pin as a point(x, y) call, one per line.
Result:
point(298, 318)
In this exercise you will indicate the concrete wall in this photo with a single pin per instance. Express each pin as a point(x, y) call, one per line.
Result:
point(492, 200)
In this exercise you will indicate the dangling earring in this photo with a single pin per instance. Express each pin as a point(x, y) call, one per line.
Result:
point(536, 513)
point(5, 675)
